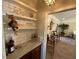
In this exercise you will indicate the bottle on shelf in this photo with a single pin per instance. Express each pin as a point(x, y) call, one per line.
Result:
point(11, 47)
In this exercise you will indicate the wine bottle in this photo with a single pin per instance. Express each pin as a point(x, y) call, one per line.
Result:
point(11, 47)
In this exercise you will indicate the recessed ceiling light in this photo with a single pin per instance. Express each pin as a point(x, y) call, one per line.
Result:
point(63, 18)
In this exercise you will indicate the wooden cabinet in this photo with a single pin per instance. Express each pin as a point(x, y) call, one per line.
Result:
point(34, 54)
point(27, 56)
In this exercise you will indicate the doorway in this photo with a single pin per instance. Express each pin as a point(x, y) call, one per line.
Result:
point(59, 45)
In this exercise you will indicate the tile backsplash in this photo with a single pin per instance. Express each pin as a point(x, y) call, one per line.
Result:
point(23, 36)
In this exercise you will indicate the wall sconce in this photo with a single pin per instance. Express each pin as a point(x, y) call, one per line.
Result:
point(51, 24)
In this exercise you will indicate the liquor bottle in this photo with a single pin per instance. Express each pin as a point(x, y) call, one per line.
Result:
point(11, 47)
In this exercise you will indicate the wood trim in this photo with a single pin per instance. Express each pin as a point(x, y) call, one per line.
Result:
point(63, 9)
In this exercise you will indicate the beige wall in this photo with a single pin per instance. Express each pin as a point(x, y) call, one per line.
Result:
point(3, 48)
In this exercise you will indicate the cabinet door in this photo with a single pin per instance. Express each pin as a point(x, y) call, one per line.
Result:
point(36, 53)
point(27, 56)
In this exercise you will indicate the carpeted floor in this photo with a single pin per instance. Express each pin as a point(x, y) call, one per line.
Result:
point(64, 49)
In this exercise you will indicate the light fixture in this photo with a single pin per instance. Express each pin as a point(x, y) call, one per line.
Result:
point(49, 2)
point(63, 18)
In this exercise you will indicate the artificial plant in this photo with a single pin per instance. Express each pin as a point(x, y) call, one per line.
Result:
point(63, 27)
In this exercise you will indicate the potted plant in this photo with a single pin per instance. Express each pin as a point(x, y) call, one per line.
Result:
point(63, 27)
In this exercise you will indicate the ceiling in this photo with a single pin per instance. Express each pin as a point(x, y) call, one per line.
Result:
point(58, 6)
point(66, 15)
point(61, 5)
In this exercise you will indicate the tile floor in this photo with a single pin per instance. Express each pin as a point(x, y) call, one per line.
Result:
point(64, 49)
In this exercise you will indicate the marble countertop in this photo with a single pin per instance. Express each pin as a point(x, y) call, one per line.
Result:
point(23, 49)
